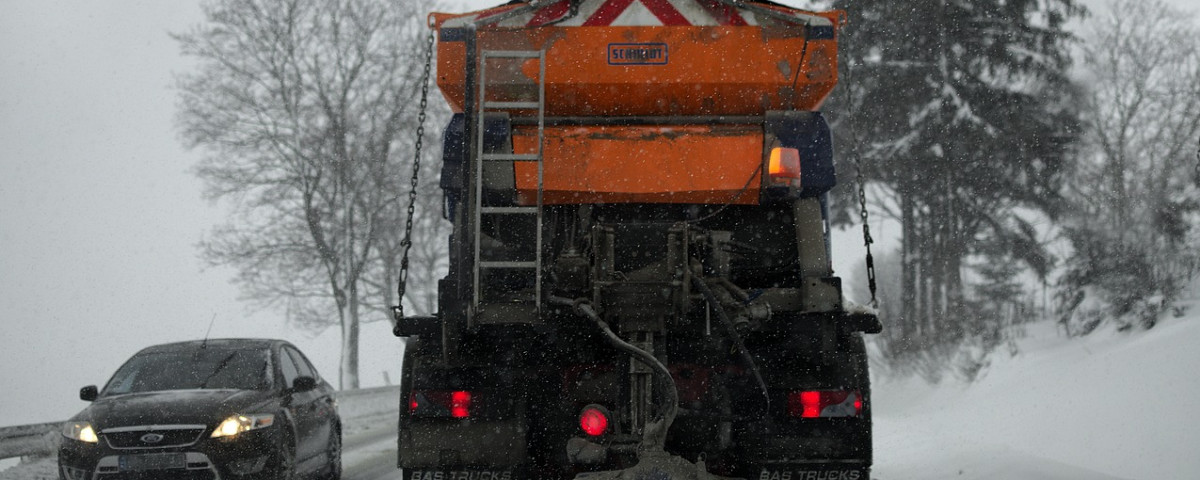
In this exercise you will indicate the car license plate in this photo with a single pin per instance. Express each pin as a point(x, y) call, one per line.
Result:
point(156, 461)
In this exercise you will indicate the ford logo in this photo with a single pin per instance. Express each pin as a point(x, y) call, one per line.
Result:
point(152, 438)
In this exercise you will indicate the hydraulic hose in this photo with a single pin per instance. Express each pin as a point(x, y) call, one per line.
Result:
point(655, 436)
point(731, 330)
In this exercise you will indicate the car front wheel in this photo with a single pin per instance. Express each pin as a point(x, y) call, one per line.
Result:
point(333, 455)
point(285, 459)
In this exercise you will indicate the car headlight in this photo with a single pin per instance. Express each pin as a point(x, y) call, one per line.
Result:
point(81, 431)
point(236, 424)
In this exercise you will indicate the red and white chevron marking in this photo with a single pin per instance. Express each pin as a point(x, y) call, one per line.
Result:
point(629, 13)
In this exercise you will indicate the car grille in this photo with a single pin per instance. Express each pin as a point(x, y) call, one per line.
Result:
point(128, 438)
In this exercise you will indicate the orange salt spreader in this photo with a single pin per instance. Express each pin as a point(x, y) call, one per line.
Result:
point(644, 101)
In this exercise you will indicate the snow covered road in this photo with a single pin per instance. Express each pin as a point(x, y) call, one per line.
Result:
point(369, 420)
point(1109, 406)
point(369, 449)
point(369, 454)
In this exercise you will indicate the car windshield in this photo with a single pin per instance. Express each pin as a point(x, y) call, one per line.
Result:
point(201, 368)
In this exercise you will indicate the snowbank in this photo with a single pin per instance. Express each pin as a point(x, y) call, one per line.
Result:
point(32, 468)
point(1111, 405)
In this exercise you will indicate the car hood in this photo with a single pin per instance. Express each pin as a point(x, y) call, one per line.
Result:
point(174, 407)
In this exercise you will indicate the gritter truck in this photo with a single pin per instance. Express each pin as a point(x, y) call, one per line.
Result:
point(639, 281)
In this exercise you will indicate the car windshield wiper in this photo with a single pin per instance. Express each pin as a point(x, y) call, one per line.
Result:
point(220, 366)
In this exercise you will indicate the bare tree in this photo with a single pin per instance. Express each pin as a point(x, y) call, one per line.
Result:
point(1136, 194)
point(428, 256)
point(299, 105)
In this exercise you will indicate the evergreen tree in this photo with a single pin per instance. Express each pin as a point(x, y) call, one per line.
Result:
point(962, 110)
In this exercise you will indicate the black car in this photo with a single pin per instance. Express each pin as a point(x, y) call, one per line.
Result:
point(214, 409)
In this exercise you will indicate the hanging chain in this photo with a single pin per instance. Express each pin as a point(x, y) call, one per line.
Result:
point(867, 240)
point(1197, 174)
point(406, 244)
point(861, 180)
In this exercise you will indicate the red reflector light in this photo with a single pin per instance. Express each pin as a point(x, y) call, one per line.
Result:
point(810, 404)
point(784, 166)
point(456, 404)
point(825, 403)
point(460, 404)
point(594, 420)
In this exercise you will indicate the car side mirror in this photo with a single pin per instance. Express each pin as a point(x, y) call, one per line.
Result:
point(304, 383)
point(89, 393)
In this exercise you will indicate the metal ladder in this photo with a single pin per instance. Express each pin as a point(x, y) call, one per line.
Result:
point(481, 212)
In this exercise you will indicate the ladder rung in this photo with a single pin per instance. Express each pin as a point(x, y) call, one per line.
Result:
point(512, 157)
point(511, 54)
point(508, 264)
point(529, 210)
point(517, 105)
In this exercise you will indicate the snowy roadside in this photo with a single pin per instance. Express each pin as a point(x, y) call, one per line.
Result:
point(1111, 405)
point(32, 468)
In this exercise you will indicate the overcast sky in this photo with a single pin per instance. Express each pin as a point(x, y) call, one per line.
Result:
point(99, 214)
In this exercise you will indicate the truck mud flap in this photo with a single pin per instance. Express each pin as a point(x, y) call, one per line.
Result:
point(430, 446)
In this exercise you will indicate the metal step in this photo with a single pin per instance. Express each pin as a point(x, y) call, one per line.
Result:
point(511, 54)
point(508, 264)
point(512, 105)
point(518, 312)
point(510, 210)
point(511, 157)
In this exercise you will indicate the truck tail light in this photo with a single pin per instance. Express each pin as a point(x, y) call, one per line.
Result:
point(825, 403)
point(448, 404)
point(784, 166)
point(594, 420)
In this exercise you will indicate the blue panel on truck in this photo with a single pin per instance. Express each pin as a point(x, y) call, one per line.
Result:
point(809, 133)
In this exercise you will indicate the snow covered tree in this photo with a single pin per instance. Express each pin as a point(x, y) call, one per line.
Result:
point(301, 105)
point(963, 111)
point(1135, 200)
